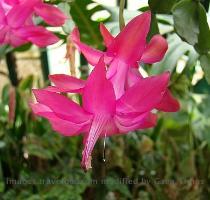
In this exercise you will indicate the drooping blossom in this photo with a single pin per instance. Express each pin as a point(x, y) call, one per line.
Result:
point(17, 22)
point(101, 114)
point(123, 54)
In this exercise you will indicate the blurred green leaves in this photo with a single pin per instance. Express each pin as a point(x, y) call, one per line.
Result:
point(186, 21)
point(205, 64)
point(159, 6)
point(202, 87)
point(190, 22)
point(203, 45)
point(82, 16)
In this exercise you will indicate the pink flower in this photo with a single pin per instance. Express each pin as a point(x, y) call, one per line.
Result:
point(116, 100)
point(125, 51)
point(101, 114)
point(17, 26)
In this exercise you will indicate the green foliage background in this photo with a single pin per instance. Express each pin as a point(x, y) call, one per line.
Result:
point(171, 161)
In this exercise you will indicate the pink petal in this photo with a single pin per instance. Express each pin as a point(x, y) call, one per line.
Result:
point(67, 128)
point(155, 50)
point(133, 77)
point(130, 43)
point(142, 121)
point(64, 127)
point(92, 55)
point(149, 121)
point(2, 15)
point(10, 37)
point(11, 2)
point(38, 35)
point(144, 95)
point(61, 90)
point(107, 36)
point(16, 41)
point(117, 74)
point(3, 32)
point(18, 14)
point(62, 106)
point(50, 14)
point(67, 83)
point(53, 89)
point(39, 108)
point(98, 94)
point(97, 129)
point(127, 123)
point(29, 22)
point(168, 103)
point(111, 129)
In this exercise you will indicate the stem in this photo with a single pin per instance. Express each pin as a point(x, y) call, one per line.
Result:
point(72, 61)
point(84, 69)
point(121, 18)
point(99, 171)
point(11, 66)
point(70, 55)
point(44, 64)
point(206, 4)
